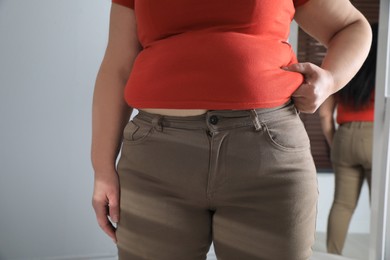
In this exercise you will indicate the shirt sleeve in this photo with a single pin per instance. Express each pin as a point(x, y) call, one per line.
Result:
point(299, 2)
point(127, 3)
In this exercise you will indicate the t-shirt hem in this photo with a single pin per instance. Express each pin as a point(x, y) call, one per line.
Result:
point(129, 4)
point(298, 3)
point(206, 105)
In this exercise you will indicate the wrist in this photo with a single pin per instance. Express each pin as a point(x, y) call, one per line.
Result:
point(103, 162)
point(333, 83)
point(104, 169)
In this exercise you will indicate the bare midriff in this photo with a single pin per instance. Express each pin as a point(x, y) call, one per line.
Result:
point(175, 112)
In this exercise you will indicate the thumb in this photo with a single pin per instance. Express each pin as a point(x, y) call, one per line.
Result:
point(113, 207)
point(303, 68)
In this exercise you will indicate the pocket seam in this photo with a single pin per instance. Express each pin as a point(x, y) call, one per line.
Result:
point(272, 141)
point(142, 139)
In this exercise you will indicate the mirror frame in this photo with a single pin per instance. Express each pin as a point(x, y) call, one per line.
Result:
point(380, 204)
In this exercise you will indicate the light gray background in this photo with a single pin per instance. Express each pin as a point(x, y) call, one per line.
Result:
point(50, 51)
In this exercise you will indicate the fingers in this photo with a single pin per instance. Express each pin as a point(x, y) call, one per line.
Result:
point(303, 106)
point(101, 210)
point(306, 99)
point(106, 202)
point(302, 91)
point(316, 88)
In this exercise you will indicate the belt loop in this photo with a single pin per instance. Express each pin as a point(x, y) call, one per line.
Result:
point(296, 109)
point(255, 120)
point(157, 123)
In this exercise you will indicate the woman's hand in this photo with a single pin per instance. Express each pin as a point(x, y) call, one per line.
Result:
point(317, 87)
point(106, 202)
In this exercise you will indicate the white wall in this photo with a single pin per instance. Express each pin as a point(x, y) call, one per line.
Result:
point(50, 51)
point(360, 222)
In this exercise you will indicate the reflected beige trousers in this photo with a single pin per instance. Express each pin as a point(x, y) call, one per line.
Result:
point(351, 157)
point(244, 180)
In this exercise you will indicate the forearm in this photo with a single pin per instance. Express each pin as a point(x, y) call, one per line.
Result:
point(346, 34)
point(110, 114)
point(328, 129)
point(347, 50)
point(327, 119)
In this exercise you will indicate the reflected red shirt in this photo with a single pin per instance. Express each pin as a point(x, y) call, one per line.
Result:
point(346, 114)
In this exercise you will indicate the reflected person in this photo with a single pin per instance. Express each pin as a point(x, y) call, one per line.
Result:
point(351, 145)
point(217, 152)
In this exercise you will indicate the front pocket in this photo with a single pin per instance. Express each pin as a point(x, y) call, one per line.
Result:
point(287, 134)
point(136, 132)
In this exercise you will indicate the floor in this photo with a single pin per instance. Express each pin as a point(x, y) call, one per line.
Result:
point(356, 248)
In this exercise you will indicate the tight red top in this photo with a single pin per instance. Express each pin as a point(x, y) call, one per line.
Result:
point(220, 54)
point(346, 114)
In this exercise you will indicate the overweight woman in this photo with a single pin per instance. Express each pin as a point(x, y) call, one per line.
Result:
point(217, 153)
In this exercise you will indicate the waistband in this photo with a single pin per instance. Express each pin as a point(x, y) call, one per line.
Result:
point(358, 124)
point(220, 119)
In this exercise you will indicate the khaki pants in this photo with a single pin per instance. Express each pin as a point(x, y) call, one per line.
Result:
point(244, 180)
point(352, 159)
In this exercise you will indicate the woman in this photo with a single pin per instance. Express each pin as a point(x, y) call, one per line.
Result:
point(351, 144)
point(217, 152)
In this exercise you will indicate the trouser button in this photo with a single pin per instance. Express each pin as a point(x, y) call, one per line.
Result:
point(213, 120)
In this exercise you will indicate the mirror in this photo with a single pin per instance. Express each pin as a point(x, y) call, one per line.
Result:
point(361, 244)
point(380, 218)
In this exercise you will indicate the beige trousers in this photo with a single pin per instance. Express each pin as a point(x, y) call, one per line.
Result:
point(351, 157)
point(244, 180)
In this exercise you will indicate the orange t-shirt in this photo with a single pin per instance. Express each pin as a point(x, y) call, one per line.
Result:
point(201, 54)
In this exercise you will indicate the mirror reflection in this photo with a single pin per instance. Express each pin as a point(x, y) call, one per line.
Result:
point(343, 227)
point(351, 145)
